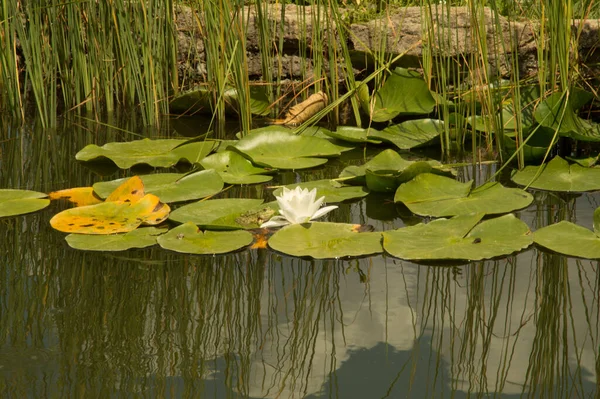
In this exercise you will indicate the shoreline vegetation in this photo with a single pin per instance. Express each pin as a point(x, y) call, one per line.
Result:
point(476, 57)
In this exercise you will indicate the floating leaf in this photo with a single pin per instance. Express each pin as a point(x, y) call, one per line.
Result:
point(459, 238)
point(325, 240)
point(111, 217)
point(277, 148)
point(220, 214)
point(332, 190)
point(558, 175)
point(388, 169)
point(235, 169)
point(353, 134)
point(557, 113)
point(126, 190)
point(138, 238)
point(404, 92)
point(187, 238)
point(410, 134)
point(172, 187)
point(79, 196)
point(433, 195)
point(18, 202)
point(537, 145)
point(569, 239)
point(157, 153)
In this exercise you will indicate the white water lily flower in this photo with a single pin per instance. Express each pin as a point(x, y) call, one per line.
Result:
point(298, 206)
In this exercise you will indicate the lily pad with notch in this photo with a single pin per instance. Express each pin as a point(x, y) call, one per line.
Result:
point(559, 175)
point(438, 196)
point(410, 134)
point(235, 169)
point(278, 148)
point(571, 239)
point(139, 238)
point(172, 187)
point(188, 238)
point(157, 153)
point(463, 237)
point(322, 240)
point(18, 202)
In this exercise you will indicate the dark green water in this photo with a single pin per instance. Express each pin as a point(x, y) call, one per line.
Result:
point(151, 323)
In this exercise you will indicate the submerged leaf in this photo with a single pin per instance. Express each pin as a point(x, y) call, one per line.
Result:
point(18, 202)
point(187, 238)
point(325, 240)
point(459, 238)
point(138, 238)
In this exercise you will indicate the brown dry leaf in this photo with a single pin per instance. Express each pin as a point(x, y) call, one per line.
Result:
point(130, 191)
point(304, 110)
point(80, 196)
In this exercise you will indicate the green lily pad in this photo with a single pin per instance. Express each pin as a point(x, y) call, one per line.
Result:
point(277, 148)
point(559, 175)
point(569, 239)
point(353, 134)
point(459, 238)
point(187, 238)
point(172, 187)
point(219, 214)
point(388, 169)
point(138, 238)
point(557, 113)
point(18, 202)
point(325, 240)
point(332, 190)
point(158, 153)
point(536, 147)
point(235, 169)
point(404, 92)
point(410, 134)
point(437, 196)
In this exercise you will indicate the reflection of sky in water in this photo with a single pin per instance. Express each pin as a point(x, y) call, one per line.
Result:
point(156, 324)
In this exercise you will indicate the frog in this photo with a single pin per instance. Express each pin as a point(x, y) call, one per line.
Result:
point(255, 217)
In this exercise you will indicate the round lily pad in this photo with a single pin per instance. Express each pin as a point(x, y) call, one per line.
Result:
point(222, 214)
point(559, 175)
point(172, 187)
point(277, 148)
point(437, 196)
point(332, 190)
point(410, 134)
point(139, 238)
point(158, 153)
point(235, 169)
point(187, 238)
point(569, 239)
point(325, 240)
point(18, 202)
point(353, 134)
point(459, 238)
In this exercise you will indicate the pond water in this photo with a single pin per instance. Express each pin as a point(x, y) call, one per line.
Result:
point(258, 324)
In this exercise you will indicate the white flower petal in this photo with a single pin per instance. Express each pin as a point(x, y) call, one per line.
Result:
point(323, 211)
point(275, 221)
